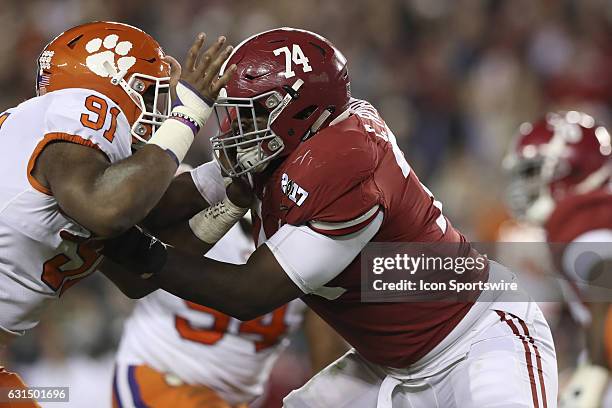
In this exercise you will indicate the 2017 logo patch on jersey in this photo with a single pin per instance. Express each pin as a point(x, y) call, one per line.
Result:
point(292, 190)
point(103, 62)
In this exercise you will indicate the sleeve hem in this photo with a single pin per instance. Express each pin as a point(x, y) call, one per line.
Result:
point(53, 137)
point(293, 275)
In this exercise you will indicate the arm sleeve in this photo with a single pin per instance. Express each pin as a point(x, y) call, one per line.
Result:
point(331, 255)
point(209, 182)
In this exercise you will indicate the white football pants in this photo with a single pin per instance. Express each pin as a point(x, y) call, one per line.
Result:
point(508, 363)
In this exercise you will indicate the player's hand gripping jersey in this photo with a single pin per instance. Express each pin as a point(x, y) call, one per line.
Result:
point(200, 346)
point(42, 251)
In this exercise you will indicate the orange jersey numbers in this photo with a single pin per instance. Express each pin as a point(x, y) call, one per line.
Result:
point(265, 330)
point(95, 117)
point(78, 259)
point(109, 134)
point(209, 335)
point(268, 328)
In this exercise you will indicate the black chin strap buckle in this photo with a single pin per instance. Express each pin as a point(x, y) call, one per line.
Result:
point(292, 92)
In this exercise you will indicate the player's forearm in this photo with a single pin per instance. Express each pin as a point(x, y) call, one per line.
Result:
point(180, 236)
point(128, 190)
point(599, 278)
point(225, 287)
point(130, 284)
point(241, 291)
point(180, 202)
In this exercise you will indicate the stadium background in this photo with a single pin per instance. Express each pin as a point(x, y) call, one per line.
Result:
point(453, 78)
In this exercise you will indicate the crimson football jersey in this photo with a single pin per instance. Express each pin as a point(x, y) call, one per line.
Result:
point(572, 220)
point(578, 214)
point(338, 175)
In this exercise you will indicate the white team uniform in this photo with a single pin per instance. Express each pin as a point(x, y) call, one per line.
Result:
point(497, 360)
point(40, 255)
point(201, 346)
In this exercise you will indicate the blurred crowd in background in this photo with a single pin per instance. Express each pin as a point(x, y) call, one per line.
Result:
point(453, 79)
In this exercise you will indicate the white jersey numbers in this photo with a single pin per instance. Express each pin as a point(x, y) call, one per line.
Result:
point(378, 127)
point(296, 55)
point(291, 189)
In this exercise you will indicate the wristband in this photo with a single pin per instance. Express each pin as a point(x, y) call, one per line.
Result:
point(191, 103)
point(211, 224)
point(193, 125)
point(190, 112)
point(174, 137)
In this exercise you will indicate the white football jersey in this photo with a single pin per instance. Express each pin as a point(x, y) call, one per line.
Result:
point(202, 346)
point(42, 251)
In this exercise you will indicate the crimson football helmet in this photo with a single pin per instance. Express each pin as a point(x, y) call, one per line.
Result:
point(289, 84)
point(562, 154)
point(120, 61)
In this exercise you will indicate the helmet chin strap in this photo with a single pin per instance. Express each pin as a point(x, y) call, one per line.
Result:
point(248, 157)
point(117, 79)
point(595, 179)
point(316, 126)
point(320, 120)
point(541, 209)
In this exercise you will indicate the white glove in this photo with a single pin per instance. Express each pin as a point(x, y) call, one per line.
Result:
point(586, 387)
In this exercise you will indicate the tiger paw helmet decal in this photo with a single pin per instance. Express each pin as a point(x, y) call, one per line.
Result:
point(104, 63)
point(117, 60)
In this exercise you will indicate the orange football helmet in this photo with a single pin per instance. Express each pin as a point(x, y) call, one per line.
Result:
point(120, 61)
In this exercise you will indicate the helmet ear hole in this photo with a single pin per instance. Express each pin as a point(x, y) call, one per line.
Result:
point(74, 41)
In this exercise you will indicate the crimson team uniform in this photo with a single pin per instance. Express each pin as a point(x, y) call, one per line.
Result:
point(579, 224)
point(560, 172)
point(349, 185)
point(576, 221)
point(177, 353)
